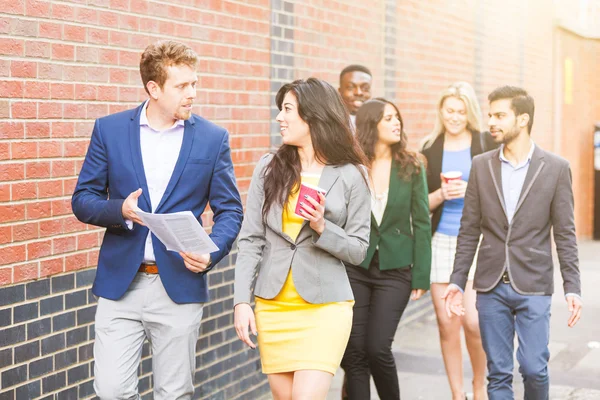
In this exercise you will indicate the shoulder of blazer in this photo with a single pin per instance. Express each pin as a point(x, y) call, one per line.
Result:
point(117, 118)
point(552, 157)
point(352, 174)
point(204, 126)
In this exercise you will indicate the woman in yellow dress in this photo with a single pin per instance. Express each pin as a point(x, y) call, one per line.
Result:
point(292, 259)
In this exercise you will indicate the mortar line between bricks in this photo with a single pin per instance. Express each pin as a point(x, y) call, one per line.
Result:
point(131, 31)
point(227, 372)
point(56, 256)
point(50, 237)
point(80, 63)
point(201, 74)
point(76, 384)
point(137, 15)
point(54, 370)
point(163, 3)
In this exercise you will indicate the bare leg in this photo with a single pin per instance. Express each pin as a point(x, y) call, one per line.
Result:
point(474, 346)
point(450, 341)
point(281, 385)
point(311, 385)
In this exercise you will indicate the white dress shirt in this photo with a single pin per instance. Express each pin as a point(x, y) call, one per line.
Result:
point(160, 151)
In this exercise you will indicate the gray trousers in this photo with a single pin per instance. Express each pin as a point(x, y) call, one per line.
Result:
point(145, 311)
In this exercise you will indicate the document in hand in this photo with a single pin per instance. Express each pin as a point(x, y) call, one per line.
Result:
point(179, 231)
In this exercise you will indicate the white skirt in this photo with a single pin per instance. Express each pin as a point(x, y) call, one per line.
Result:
point(443, 251)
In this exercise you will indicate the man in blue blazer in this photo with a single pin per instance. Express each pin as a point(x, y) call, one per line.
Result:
point(161, 158)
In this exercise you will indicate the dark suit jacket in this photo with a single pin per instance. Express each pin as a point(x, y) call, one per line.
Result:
point(404, 237)
point(434, 154)
point(113, 169)
point(523, 247)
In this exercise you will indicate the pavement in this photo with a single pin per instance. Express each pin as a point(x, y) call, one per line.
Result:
point(575, 352)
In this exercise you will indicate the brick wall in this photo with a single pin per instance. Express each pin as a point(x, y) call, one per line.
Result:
point(64, 63)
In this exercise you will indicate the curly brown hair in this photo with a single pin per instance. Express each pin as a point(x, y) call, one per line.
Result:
point(162, 54)
point(367, 118)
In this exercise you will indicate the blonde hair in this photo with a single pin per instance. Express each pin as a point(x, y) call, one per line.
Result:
point(162, 54)
point(466, 93)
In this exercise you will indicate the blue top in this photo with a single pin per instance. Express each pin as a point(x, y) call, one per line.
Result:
point(452, 209)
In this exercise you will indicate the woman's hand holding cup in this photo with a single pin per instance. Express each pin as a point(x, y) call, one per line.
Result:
point(453, 187)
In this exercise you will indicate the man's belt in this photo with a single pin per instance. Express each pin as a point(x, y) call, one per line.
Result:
point(148, 268)
point(505, 277)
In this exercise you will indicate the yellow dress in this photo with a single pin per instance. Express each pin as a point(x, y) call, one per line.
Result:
point(294, 334)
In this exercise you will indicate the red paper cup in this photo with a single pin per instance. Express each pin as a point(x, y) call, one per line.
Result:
point(307, 190)
point(452, 176)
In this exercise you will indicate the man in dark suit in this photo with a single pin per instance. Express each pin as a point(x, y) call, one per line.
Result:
point(516, 195)
point(161, 158)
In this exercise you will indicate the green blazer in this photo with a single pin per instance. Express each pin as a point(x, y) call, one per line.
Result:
point(404, 237)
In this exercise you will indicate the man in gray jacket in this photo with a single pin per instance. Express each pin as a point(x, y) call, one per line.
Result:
point(516, 195)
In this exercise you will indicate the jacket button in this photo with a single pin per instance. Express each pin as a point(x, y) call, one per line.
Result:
point(505, 227)
point(293, 247)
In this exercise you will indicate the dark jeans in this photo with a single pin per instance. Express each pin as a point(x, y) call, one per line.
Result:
point(380, 299)
point(502, 311)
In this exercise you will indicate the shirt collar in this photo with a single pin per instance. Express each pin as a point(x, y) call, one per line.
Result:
point(531, 149)
point(144, 118)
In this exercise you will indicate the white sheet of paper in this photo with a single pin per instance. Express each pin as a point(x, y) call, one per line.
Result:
point(179, 231)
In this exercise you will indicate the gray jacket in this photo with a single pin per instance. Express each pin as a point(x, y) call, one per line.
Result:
point(523, 247)
point(265, 253)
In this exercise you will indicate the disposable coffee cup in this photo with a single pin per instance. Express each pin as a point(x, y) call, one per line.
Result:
point(452, 176)
point(311, 191)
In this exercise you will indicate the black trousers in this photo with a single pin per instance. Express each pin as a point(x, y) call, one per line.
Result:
point(380, 299)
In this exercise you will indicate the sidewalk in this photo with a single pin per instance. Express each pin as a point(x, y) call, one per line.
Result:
point(575, 356)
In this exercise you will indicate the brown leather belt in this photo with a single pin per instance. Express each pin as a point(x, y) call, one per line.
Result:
point(148, 268)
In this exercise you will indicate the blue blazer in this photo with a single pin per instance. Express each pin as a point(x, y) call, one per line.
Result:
point(113, 169)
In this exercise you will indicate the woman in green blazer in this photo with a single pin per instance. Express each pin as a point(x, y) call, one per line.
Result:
point(398, 259)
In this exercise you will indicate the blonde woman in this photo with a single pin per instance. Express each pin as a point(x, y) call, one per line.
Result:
point(455, 140)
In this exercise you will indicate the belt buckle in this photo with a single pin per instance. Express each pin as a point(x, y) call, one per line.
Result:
point(505, 277)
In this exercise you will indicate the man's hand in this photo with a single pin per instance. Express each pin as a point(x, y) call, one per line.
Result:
point(454, 301)
point(243, 316)
point(130, 205)
point(195, 262)
point(416, 294)
point(575, 305)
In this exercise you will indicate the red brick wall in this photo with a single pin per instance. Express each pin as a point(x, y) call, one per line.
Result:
point(63, 65)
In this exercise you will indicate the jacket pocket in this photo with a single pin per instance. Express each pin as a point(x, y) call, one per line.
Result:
point(399, 231)
point(536, 251)
point(198, 161)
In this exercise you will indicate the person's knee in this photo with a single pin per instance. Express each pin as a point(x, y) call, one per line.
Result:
point(449, 330)
point(533, 370)
point(112, 388)
point(379, 352)
point(471, 327)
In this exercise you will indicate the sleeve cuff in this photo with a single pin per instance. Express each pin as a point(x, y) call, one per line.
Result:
point(574, 295)
point(458, 287)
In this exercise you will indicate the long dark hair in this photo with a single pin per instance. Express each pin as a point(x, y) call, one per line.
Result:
point(321, 107)
point(367, 118)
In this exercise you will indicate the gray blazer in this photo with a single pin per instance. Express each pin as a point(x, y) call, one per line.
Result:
point(523, 247)
point(265, 253)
